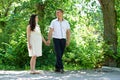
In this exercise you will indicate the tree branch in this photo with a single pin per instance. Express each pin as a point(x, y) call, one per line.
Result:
point(2, 3)
point(6, 13)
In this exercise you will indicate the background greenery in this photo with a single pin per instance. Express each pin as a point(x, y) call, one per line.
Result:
point(87, 48)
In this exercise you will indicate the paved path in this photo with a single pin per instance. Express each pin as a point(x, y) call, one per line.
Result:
point(106, 73)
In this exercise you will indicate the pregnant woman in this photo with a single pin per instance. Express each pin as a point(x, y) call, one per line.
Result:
point(34, 39)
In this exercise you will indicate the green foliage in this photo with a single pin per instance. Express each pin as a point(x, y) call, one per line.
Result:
point(88, 53)
point(117, 7)
point(86, 47)
point(118, 48)
point(15, 51)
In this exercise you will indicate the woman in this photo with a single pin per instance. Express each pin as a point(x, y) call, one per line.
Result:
point(34, 38)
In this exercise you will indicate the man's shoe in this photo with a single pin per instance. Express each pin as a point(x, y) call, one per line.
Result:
point(61, 70)
point(57, 70)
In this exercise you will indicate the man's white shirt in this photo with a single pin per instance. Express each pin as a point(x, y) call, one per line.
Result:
point(60, 28)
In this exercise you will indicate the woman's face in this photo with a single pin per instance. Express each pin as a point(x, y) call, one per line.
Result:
point(36, 19)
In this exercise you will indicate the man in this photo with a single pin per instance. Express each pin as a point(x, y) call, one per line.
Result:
point(60, 32)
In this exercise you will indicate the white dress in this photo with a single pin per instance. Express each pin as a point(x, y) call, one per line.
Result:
point(36, 42)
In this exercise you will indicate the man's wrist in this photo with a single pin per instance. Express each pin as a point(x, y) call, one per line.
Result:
point(48, 39)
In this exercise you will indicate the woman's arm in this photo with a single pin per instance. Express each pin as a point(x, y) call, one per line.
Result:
point(28, 36)
point(43, 39)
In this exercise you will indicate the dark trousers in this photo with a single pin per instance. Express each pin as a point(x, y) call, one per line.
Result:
point(59, 46)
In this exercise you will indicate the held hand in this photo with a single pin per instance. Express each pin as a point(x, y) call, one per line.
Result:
point(45, 43)
point(48, 42)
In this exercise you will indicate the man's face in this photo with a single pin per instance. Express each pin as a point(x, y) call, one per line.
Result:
point(59, 13)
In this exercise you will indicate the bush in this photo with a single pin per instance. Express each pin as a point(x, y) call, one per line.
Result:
point(16, 50)
point(85, 50)
point(16, 53)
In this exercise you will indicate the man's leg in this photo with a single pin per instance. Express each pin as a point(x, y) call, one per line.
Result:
point(58, 53)
point(62, 45)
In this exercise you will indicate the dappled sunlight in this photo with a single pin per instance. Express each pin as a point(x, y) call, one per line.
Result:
point(87, 48)
point(104, 74)
point(85, 18)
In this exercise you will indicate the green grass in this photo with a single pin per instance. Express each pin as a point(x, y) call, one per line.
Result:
point(47, 68)
point(7, 67)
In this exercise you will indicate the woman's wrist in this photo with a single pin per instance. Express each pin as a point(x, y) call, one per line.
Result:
point(48, 39)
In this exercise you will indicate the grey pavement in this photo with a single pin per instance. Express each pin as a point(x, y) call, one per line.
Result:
point(105, 73)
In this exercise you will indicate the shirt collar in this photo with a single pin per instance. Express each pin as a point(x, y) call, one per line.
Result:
point(58, 20)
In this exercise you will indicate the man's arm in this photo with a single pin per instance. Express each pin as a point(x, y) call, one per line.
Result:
point(68, 37)
point(50, 35)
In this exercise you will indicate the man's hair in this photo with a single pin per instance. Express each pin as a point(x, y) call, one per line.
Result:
point(60, 10)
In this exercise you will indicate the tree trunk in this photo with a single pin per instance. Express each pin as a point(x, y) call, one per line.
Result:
point(110, 30)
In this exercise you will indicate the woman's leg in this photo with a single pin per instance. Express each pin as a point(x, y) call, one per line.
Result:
point(32, 63)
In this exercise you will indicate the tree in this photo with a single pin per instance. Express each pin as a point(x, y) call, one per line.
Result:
point(110, 29)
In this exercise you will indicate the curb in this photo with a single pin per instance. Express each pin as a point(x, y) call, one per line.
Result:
point(111, 68)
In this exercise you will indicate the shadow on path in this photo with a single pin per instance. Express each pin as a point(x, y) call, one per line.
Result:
point(105, 73)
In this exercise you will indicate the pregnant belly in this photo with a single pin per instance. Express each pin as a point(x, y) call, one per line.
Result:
point(35, 36)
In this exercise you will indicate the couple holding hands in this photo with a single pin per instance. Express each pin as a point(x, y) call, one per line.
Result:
point(59, 31)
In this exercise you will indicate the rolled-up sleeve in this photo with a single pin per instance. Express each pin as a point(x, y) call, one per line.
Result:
point(51, 24)
point(68, 25)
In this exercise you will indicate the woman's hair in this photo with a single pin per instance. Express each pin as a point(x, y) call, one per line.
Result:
point(32, 22)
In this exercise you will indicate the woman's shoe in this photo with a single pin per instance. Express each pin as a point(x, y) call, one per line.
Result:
point(34, 72)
